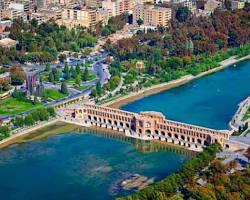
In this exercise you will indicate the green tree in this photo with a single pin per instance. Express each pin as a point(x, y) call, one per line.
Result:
point(4, 130)
point(51, 111)
point(98, 88)
point(73, 72)
point(51, 77)
point(47, 67)
point(55, 74)
point(28, 120)
point(64, 88)
point(183, 14)
point(78, 69)
point(85, 74)
point(105, 31)
point(139, 22)
point(94, 92)
point(78, 80)
point(66, 72)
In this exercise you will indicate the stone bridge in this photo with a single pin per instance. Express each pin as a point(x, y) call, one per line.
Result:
point(145, 125)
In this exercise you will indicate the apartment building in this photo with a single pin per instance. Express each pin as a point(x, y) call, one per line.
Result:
point(78, 17)
point(118, 7)
point(151, 15)
point(235, 5)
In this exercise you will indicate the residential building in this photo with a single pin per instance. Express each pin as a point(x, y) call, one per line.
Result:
point(151, 15)
point(78, 17)
point(211, 5)
point(235, 5)
point(118, 7)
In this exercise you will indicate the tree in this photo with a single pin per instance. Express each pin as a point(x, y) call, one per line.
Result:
point(73, 72)
point(47, 67)
point(62, 58)
point(64, 88)
point(139, 22)
point(17, 75)
point(85, 74)
point(4, 130)
point(51, 111)
point(98, 88)
point(78, 69)
point(105, 31)
point(183, 14)
point(66, 72)
point(78, 80)
point(55, 74)
point(28, 120)
point(51, 77)
point(93, 92)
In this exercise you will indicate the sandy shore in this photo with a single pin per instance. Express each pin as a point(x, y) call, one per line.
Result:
point(169, 85)
point(21, 133)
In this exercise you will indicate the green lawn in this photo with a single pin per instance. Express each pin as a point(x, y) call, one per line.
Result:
point(92, 76)
point(247, 115)
point(12, 106)
point(54, 94)
point(81, 88)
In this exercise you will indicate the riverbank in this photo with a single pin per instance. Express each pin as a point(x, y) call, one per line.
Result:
point(22, 132)
point(117, 103)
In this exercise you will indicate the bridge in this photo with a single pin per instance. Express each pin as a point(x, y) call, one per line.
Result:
point(144, 125)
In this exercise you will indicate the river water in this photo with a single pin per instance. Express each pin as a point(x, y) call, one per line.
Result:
point(83, 165)
point(210, 101)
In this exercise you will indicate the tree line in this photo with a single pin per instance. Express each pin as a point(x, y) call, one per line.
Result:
point(42, 43)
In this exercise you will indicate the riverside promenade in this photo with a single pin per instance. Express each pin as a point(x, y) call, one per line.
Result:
point(238, 118)
point(117, 103)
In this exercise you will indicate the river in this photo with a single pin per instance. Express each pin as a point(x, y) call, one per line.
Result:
point(81, 165)
point(210, 101)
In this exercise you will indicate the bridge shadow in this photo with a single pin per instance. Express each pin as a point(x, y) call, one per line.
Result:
point(140, 145)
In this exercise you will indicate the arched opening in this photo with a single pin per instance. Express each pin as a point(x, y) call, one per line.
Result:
point(227, 146)
point(89, 117)
point(169, 135)
point(163, 133)
point(148, 131)
point(104, 120)
point(100, 119)
point(176, 136)
point(206, 143)
point(121, 124)
point(127, 125)
point(95, 118)
point(115, 122)
point(183, 137)
point(188, 139)
point(199, 141)
point(140, 130)
point(156, 132)
point(109, 121)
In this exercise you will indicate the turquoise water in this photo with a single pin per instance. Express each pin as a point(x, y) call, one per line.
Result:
point(78, 166)
point(210, 101)
point(86, 166)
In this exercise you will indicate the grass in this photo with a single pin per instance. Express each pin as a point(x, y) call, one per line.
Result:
point(92, 76)
point(12, 106)
point(81, 88)
point(247, 115)
point(54, 94)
